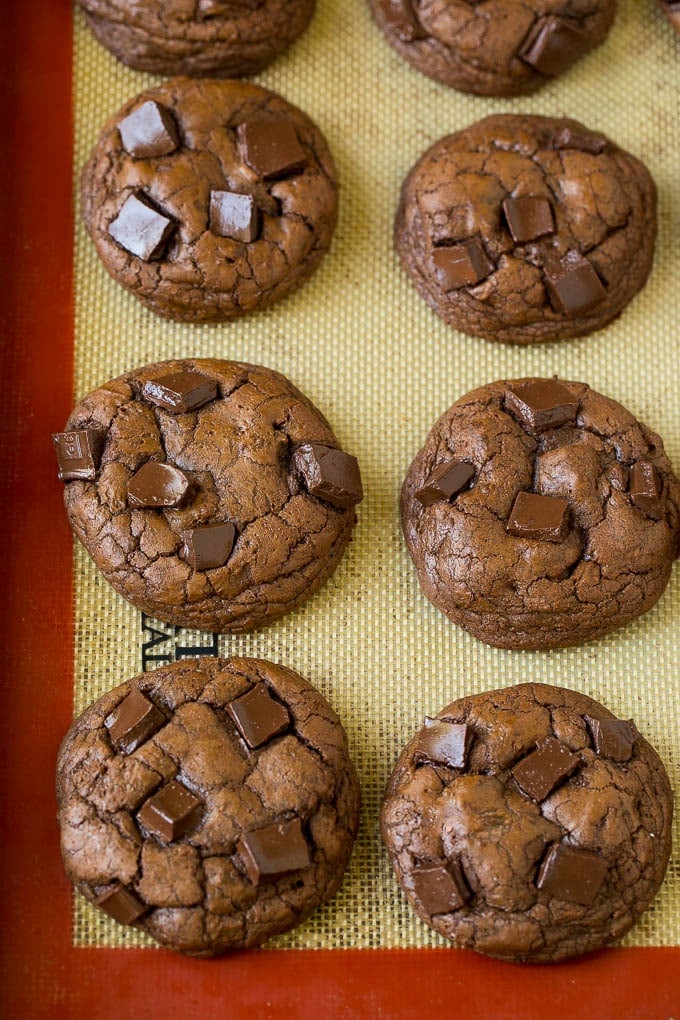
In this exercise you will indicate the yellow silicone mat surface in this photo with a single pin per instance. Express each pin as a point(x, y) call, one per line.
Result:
point(382, 367)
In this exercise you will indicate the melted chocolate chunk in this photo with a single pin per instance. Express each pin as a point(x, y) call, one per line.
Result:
point(573, 285)
point(234, 215)
point(180, 391)
point(645, 488)
point(209, 546)
point(133, 722)
point(329, 474)
point(158, 485)
point(122, 905)
point(572, 875)
point(274, 851)
point(141, 229)
point(444, 743)
point(545, 404)
point(440, 889)
point(445, 482)
point(148, 131)
point(78, 454)
point(171, 812)
point(553, 45)
point(528, 218)
point(584, 141)
point(461, 265)
point(271, 147)
point(540, 772)
point(545, 518)
point(258, 716)
point(613, 738)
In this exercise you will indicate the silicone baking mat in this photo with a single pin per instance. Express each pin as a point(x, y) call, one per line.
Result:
point(362, 345)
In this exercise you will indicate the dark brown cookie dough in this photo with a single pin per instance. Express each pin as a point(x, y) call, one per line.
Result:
point(525, 229)
point(541, 514)
point(529, 823)
point(210, 494)
point(209, 199)
point(223, 38)
point(211, 803)
point(494, 48)
point(671, 9)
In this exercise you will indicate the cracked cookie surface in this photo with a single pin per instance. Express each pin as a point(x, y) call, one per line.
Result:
point(591, 549)
point(189, 209)
point(171, 819)
point(495, 863)
point(495, 47)
point(224, 38)
point(526, 229)
point(230, 450)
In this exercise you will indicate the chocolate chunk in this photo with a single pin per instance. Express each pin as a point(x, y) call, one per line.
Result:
point(573, 285)
point(122, 905)
point(545, 404)
point(570, 874)
point(141, 229)
point(180, 391)
point(78, 454)
point(445, 482)
point(583, 141)
point(330, 474)
point(540, 772)
point(150, 130)
point(271, 147)
point(274, 851)
point(133, 721)
point(444, 743)
point(461, 265)
point(258, 716)
point(171, 812)
point(440, 889)
point(613, 738)
point(528, 217)
point(645, 488)
point(158, 485)
point(234, 215)
point(553, 45)
point(208, 547)
point(545, 518)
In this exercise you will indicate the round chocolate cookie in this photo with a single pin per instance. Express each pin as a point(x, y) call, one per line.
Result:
point(211, 803)
point(496, 48)
point(208, 199)
point(529, 823)
point(525, 229)
point(541, 514)
point(671, 9)
point(224, 38)
point(211, 494)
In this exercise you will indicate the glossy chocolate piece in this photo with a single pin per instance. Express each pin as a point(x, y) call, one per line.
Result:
point(180, 391)
point(148, 131)
point(141, 229)
point(545, 518)
point(271, 147)
point(133, 721)
point(440, 889)
point(234, 215)
point(573, 285)
point(540, 772)
point(210, 546)
point(172, 812)
point(553, 45)
point(445, 482)
point(570, 874)
point(584, 141)
point(461, 265)
point(444, 743)
point(274, 851)
point(158, 485)
point(528, 218)
point(644, 488)
point(329, 474)
point(122, 905)
point(540, 405)
point(78, 453)
point(258, 716)
point(613, 738)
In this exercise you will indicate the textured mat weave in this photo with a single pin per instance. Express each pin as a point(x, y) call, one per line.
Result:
point(362, 345)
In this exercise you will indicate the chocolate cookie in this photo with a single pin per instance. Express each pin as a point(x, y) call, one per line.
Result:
point(224, 38)
point(541, 514)
point(496, 48)
point(211, 494)
point(211, 803)
point(529, 823)
point(526, 229)
point(671, 9)
point(208, 199)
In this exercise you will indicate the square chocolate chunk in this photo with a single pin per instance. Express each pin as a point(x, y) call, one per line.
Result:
point(258, 716)
point(613, 738)
point(271, 147)
point(148, 131)
point(122, 905)
point(573, 285)
point(274, 851)
point(553, 45)
point(440, 889)
point(180, 392)
point(645, 488)
point(528, 217)
point(78, 454)
point(157, 485)
point(461, 265)
point(540, 405)
point(444, 743)
point(545, 518)
point(570, 874)
point(329, 474)
point(208, 547)
point(172, 812)
point(540, 772)
point(133, 721)
point(141, 229)
point(234, 215)
point(445, 482)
